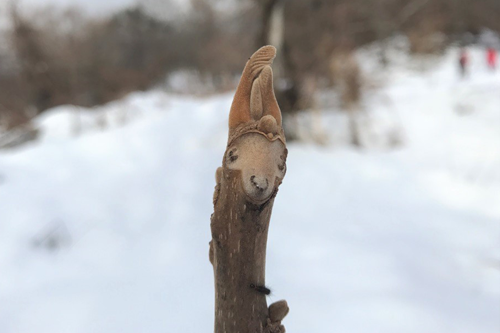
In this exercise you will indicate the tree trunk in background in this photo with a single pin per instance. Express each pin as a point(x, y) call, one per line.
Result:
point(381, 26)
point(33, 63)
point(266, 12)
point(288, 90)
point(354, 131)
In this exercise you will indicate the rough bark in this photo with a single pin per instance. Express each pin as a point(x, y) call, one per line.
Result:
point(252, 169)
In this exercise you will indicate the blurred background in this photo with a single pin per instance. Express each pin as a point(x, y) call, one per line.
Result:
point(113, 120)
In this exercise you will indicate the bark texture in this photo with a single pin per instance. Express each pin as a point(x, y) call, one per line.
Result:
point(253, 167)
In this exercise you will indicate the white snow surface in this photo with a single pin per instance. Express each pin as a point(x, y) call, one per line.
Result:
point(104, 221)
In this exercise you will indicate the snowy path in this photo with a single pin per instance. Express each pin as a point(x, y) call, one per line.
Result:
point(396, 241)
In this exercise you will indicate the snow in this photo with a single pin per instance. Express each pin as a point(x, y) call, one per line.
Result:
point(104, 222)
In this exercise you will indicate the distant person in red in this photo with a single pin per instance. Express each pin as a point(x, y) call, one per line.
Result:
point(463, 61)
point(491, 58)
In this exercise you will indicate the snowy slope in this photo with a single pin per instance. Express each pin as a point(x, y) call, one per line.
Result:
point(104, 223)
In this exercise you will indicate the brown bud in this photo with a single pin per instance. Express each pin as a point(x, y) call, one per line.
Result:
point(268, 124)
point(218, 175)
point(278, 311)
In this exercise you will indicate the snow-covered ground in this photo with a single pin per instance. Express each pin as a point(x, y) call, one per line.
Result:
point(104, 222)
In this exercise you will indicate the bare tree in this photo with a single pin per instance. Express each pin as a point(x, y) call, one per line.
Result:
point(33, 62)
point(347, 74)
point(253, 167)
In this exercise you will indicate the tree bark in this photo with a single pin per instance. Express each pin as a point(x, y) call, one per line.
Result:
point(239, 233)
point(253, 167)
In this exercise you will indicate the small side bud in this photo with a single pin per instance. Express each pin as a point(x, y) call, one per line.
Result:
point(268, 124)
point(278, 311)
point(218, 175)
point(211, 252)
